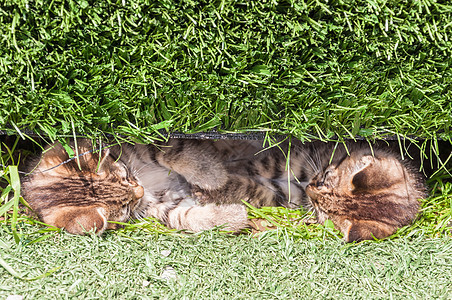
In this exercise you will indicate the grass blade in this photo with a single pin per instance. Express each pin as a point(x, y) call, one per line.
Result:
point(8, 268)
point(16, 274)
point(15, 184)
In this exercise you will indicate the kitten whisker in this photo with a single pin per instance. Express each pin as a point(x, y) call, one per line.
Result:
point(312, 164)
point(319, 161)
point(136, 172)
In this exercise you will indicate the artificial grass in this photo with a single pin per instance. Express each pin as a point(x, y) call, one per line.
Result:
point(311, 69)
point(217, 266)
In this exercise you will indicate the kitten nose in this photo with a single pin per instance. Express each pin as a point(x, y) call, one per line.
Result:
point(138, 191)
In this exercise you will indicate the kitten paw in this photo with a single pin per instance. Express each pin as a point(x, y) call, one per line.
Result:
point(232, 217)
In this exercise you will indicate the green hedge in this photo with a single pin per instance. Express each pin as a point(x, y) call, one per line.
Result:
point(370, 68)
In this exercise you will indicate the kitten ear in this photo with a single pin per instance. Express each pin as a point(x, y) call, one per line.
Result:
point(80, 220)
point(365, 177)
point(360, 230)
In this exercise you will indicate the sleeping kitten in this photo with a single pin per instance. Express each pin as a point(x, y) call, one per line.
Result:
point(365, 192)
point(366, 195)
point(127, 182)
point(196, 185)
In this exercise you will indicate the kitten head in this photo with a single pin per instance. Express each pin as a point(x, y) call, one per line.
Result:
point(82, 194)
point(366, 195)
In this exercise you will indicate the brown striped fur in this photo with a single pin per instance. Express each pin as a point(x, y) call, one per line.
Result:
point(196, 185)
point(129, 182)
point(366, 192)
point(75, 196)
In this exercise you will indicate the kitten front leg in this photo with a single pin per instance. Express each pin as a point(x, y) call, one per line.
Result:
point(77, 220)
point(182, 212)
point(197, 161)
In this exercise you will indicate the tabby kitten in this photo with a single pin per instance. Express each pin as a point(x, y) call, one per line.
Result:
point(366, 195)
point(196, 185)
point(124, 182)
point(366, 192)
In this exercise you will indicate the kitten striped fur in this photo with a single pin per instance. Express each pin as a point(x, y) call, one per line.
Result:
point(196, 185)
point(168, 174)
point(129, 182)
point(366, 192)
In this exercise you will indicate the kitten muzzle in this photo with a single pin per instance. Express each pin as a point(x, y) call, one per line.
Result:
point(311, 191)
point(138, 191)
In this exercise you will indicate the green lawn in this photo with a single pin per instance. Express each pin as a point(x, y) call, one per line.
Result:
point(213, 265)
point(309, 68)
point(133, 69)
